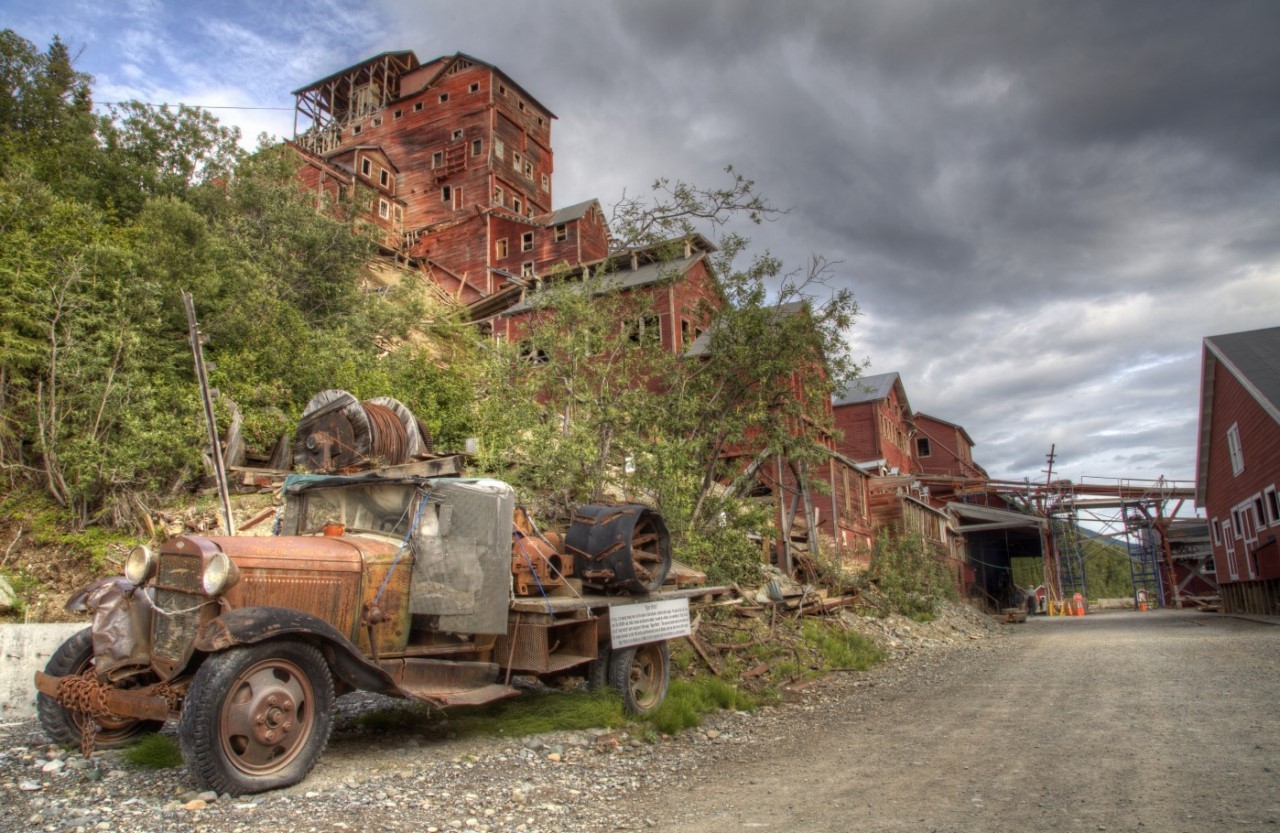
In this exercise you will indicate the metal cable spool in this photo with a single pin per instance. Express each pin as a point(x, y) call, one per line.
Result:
point(619, 548)
point(339, 433)
point(387, 441)
point(414, 445)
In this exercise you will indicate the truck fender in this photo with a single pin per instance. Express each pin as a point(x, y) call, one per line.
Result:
point(251, 625)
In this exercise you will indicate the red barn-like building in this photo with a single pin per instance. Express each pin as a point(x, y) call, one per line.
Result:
point(1238, 465)
point(458, 159)
point(876, 420)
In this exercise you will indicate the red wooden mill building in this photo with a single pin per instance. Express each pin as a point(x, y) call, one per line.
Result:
point(458, 159)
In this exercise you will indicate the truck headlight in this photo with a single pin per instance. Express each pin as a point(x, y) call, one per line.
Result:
point(220, 574)
point(141, 566)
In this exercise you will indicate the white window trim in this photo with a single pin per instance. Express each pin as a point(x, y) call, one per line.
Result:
point(384, 209)
point(1234, 449)
point(1217, 532)
point(1271, 502)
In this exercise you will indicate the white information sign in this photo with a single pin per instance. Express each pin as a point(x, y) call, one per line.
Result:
point(634, 624)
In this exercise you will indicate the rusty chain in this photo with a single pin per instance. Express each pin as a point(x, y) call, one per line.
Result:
point(83, 695)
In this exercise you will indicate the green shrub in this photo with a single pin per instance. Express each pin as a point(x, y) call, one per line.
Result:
point(842, 649)
point(911, 578)
point(688, 700)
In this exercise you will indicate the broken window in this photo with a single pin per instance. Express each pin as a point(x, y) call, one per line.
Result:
point(515, 160)
point(446, 194)
point(562, 233)
point(377, 121)
point(644, 330)
point(366, 167)
point(526, 269)
point(477, 145)
point(515, 204)
point(457, 134)
point(499, 195)
point(444, 97)
point(500, 248)
point(397, 114)
point(922, 447)
point(526, 241)
point(546, 183)
point(1273, 506)
point(437, 159)
point(528, 169)
point(355, 131)
point(384, 177)
point(532, 354)
point(417, 105)
point(474, 88)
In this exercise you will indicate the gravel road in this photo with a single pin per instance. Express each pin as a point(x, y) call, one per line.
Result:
point(1160, 721)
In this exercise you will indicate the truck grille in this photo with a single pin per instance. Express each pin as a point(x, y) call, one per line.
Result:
point(178, 600)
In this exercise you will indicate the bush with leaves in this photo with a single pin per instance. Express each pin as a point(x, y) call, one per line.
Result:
point(911, 577)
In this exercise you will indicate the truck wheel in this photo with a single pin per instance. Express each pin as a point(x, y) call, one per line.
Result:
point(257, 717)
point(640, 675)
point(74, 657)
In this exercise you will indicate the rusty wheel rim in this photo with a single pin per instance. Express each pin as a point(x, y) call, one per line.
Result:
point(648, 676)
point(266, 717)
point(646, 554)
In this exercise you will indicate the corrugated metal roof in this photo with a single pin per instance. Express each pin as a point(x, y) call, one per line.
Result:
point(644, 275)
point(564, 215)
point(867, 389)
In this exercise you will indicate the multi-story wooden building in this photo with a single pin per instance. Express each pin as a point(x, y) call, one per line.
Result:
point(945, 448)
point(875, 418)
point(456, 159)
point(1238, 465)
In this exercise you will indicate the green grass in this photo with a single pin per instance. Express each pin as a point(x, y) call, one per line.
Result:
point(842, 649)
point(688, 700)
point(154, 752)
point(528, 714)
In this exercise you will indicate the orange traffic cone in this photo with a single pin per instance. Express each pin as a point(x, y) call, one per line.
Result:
point(1144, 607)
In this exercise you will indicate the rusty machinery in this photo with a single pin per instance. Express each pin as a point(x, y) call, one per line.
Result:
point(338, 433)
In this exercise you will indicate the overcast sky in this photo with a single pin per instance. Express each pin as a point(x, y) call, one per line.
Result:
point(1042, 207)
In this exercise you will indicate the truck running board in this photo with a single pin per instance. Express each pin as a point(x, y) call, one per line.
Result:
point(447, 682)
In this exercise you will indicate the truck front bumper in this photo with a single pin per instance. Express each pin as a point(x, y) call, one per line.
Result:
point(107, 701)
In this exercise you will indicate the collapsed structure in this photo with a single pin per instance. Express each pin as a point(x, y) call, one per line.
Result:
point(456, 160)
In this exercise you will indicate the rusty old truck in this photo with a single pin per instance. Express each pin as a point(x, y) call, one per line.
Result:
point(439, 590)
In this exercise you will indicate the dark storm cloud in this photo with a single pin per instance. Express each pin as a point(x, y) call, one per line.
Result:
point(1041, 206)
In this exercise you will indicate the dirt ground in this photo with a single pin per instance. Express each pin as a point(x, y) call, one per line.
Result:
point(1166, 721)
point(1162, 722)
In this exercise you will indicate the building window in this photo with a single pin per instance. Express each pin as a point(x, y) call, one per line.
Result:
point(562, 233)
point(377, 121)
point(498, 148)
point(520, 104)
point(1235, 523)
point(500, 248)
point(366, 167)
point(384, 177)
point(540, 121)
point(474, 88)
point(645, 330)
point(384, 209)
point(502, 89)
point(1217, 533)
point(546, 183)
point(457, 134)
point(444, 97)
point(528, 169)
point(515, 160)
point(1273, 505)
point(1259, 515)
point(355, 131)
point(1234, 449)
point(922, 447)
point(526, 242)
point(477, 145)
point(446, 194)
point(397, 114)
point(533, 355)
point(515, 203)
point(526, 269)
point(437, 159)
point(398, 213)
point(499, 196)
point(417, 106)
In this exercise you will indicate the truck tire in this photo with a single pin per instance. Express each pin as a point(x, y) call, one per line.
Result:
point(257, 717)
point(74, 657)
point(640, 674)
